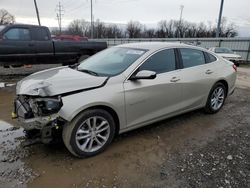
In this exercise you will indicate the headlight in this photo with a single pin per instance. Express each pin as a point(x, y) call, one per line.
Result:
point(47, 106)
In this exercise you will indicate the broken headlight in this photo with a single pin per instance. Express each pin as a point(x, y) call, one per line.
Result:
point(46, 106)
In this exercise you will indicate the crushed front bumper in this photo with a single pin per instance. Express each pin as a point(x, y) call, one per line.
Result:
point(23, 113)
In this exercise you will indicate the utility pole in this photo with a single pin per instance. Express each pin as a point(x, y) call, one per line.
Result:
point(181, 7)
point(218, 30)
point(92, 22)
point(37, 13)
point(59, 15)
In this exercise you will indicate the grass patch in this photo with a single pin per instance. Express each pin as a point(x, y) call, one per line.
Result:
point(245, 64)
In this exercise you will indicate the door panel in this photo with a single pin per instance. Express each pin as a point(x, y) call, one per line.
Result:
point(196, 79)
point(195, 86)
point(17, 46)
point(150, 99)
point(44, 45)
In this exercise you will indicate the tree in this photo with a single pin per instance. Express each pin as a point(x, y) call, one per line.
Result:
point(228, 29)
point(134, 29)
point(79, 27)
point(6, 17)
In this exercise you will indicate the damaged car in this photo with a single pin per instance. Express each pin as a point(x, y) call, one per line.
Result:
point(119, 89)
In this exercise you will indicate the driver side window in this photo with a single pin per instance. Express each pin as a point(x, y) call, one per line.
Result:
point(163, 61)
point(22, 34)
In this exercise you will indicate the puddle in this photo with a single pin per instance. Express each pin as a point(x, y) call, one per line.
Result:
point(13, 171)
point(9, 136)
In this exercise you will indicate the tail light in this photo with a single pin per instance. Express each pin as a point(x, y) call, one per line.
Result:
point(234, 67)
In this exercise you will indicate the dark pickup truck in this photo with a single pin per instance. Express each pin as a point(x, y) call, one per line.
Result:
point(30, 44)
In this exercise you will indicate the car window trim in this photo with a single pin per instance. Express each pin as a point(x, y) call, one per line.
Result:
point(146, 58)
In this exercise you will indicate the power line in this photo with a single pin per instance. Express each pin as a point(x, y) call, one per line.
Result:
point(59, 14)
point(81, 5)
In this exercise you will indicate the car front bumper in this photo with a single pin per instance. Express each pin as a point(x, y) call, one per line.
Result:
point(26, 119)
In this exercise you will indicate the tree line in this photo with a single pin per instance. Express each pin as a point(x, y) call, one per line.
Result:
point(135, 29)
point(164, 29)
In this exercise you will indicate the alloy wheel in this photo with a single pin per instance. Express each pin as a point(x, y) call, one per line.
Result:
point(217, 98)
point(92, 134)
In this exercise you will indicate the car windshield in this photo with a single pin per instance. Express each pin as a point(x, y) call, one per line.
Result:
point(2, 27)
point(223, 50)
point(111, 61)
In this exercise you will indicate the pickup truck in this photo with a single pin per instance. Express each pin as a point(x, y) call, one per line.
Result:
point(30, 44)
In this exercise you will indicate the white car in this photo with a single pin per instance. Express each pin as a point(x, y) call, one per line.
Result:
point(119, 89)
point(228, 54)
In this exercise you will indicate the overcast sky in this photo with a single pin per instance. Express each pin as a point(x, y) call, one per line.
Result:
point(121, 11)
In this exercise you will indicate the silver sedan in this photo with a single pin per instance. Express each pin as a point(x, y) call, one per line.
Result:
point(119, 89)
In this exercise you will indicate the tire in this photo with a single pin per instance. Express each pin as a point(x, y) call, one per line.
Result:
point(94, 141)
point(216, 98)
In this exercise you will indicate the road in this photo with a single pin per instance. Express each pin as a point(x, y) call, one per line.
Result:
point(191, 150)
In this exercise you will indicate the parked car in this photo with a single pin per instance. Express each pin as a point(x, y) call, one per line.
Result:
point(30, 44)
point(119, 89)
point(228, 54)
point(69, 38)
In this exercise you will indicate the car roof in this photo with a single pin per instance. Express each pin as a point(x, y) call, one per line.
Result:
point(156, 45)
point(22, 25)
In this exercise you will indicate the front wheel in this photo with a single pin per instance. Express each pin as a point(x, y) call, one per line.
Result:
point(216, 98)
point(89, 133)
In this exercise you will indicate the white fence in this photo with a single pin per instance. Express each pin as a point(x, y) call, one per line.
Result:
point(239, 45)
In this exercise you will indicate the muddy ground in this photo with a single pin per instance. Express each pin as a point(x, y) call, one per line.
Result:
point(191, 150)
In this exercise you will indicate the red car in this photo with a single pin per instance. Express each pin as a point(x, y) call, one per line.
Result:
point(70, 38)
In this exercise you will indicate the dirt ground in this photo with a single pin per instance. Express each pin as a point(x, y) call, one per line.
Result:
point(191, 150)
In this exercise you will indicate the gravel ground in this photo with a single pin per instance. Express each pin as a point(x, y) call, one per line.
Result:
point(191, 150)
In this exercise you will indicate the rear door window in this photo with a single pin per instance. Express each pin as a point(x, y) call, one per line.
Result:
point(192, 57)
point(210, 58)
point(22, 34)
point(163, 61)
point(41, 34)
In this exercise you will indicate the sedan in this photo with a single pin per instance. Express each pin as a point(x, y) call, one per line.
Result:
point(228, 54)
point(119, 89)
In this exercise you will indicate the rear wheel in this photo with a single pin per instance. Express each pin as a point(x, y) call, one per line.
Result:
point(89, 133)
point(216, 98)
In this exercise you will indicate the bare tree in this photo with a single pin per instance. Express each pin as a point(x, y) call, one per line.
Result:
point(134, 29)
point(100, 29)
point(166, 29)
point(6, 17)
point(79, 27)
point(113, 31)
point(185, 29)
point(228, 29)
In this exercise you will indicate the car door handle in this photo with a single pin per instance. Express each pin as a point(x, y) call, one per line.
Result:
point(31, 44)
point(174, 79)
point(209, 72)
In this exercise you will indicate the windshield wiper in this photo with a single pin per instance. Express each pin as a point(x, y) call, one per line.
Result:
point(74, 66)
point(89, 72)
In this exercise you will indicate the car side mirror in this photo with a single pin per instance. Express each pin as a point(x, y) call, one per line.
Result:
point(144, 74)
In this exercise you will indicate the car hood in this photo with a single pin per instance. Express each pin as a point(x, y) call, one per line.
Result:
point(57, 81)
point(229, 55)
